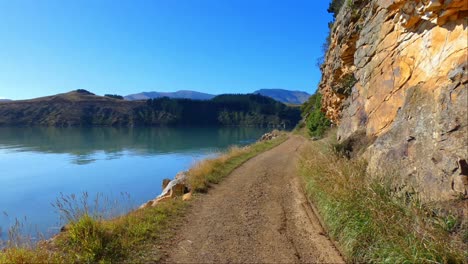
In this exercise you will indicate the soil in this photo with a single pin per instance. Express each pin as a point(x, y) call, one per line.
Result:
point(258, 214)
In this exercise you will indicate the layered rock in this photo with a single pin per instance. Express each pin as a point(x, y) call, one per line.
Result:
point(397, 71)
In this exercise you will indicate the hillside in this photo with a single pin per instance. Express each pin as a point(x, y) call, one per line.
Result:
point(285, 96)
point(81, 108)
point(179, 95)
point(394, 80)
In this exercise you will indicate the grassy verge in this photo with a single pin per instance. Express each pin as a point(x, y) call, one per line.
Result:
point(136, 236)
point(371, 221)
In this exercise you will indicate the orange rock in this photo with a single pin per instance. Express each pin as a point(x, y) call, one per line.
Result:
point(187, 197)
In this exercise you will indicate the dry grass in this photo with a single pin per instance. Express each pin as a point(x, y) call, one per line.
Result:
point(372, 221)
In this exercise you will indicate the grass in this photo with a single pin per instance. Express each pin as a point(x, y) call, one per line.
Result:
point(136, 237)
point(370, 219)
point(91, 240)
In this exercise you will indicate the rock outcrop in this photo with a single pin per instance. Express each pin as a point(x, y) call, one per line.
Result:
point(396, 71)
point(270, 135)
point(177, 187)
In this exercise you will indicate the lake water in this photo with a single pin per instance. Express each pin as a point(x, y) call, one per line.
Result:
point(38, 164)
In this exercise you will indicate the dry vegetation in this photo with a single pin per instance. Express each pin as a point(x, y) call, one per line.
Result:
point(134, 237)
point(371, 220)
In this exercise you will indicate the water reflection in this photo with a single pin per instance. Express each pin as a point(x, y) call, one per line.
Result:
point(84, 143)
point(38, 164)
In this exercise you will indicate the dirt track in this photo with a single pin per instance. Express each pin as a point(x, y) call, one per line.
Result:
point(256, 215)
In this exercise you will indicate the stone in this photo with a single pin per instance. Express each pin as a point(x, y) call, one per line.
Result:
point(187, 196)
point(269, 136)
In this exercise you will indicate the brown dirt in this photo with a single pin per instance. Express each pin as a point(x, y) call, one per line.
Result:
point(258, 214)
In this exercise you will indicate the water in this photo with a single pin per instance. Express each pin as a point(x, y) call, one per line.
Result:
point(37, 164)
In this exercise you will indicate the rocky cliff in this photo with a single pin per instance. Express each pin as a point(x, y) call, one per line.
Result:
point(396, 73)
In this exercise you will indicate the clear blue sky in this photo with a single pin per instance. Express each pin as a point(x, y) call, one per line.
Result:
point(130, 46)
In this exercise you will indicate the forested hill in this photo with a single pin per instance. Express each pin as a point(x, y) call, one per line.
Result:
point(82, 108)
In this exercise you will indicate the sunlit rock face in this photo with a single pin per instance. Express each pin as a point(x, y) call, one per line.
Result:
point(408, 89)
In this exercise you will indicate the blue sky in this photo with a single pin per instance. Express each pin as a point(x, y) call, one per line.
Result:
point(130, 46)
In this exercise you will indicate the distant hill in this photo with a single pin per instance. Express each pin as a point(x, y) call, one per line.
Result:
point(285, 96)
point(179, 94)
point(77, 108)
point(281, 95)
point(5, 100)
point(82, 108)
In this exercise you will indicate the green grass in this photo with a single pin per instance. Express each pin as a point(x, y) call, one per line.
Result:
point(135, 237)
point(371, 221)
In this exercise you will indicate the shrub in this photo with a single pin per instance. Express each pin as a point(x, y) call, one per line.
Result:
point(346, 84)
point(317, 122)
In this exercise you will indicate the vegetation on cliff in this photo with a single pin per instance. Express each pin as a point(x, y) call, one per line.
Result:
point(82, 108)
point(315, 120)
point(335, 6)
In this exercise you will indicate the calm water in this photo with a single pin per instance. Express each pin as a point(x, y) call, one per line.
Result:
point(37, 164)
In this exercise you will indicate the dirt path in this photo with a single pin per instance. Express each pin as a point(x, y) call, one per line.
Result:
point(256, 215)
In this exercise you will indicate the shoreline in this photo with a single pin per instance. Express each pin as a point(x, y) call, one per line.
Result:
point(173, 206)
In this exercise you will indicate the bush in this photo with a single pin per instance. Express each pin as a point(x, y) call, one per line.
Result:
point(316, 121)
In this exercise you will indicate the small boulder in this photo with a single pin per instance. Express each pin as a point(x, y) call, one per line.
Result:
point(187, 196)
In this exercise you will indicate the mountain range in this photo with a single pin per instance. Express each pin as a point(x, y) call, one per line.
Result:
point(176, 95)
point(285, 96)
point(281, 95)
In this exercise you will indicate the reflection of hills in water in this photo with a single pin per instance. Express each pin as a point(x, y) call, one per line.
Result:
point(85, 143)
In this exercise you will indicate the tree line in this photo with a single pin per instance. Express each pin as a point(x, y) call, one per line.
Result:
point(224, 110)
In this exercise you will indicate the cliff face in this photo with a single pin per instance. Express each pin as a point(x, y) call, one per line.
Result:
point(396, 72)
